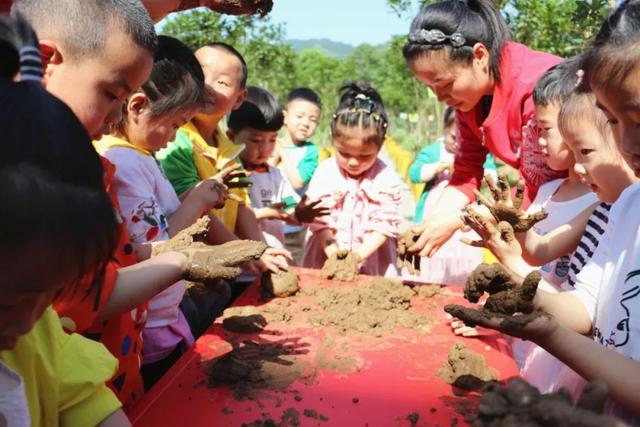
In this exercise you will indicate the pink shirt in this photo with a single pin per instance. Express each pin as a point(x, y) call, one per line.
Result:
point(357, 207)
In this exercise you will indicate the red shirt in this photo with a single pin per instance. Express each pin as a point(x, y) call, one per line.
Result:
point(509, 131)
point(121, 335)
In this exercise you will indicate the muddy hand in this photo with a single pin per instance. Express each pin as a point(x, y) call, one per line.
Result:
point(240, 7)
point(210, 263)
point(411, 260)
point(504, 209)
point(307, 212)
point(490, 278)
point(231, 173)
point(185, 238)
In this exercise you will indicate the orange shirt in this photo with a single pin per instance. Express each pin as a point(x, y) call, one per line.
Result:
point(121, 335)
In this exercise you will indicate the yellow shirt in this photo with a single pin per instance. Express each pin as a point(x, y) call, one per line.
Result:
point(64, 375)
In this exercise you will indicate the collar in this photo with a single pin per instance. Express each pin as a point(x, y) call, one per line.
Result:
point(110, 141)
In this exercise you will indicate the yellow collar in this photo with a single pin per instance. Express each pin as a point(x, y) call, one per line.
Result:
point(110, 141)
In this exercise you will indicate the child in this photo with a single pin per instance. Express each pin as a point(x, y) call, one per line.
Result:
point(255, 125)
point(150, 206)
point(47, 377)
point(611, 71)
point(361, 192)
point(463, 52)
point(93, 80)
point(297, 155)
point(201, 149)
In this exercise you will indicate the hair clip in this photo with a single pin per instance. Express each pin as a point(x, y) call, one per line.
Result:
point(436, 37)
point(579, 77)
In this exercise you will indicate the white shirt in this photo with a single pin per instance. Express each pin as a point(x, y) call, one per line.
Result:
point(14, 411)
point(271, 187)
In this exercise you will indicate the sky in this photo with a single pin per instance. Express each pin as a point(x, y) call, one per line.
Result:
point(349, 21)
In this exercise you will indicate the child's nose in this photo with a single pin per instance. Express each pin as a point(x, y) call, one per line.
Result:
point(542, 142)
point(579, 169)
point(353, 162)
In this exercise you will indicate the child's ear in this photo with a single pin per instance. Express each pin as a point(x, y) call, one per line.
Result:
point(51, 58)
point(481, 56)
point(136, 105)
point(285, 113)
point(240, 99)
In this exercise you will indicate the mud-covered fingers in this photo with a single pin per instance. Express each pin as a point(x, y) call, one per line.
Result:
point(505, 189)
point(519, 197)
point(474, 243)
point(483, 199)
point(416, 265)
point(491, 184)
point(239, 184)
point(506, 231)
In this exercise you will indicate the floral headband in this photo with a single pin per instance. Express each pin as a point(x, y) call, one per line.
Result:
point(436, 37)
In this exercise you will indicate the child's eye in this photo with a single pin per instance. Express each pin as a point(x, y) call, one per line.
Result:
point(110, 96)
point(585, 151)
point(612, 122)
point(220, 82)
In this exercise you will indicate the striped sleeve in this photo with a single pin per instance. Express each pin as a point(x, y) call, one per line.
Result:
point(596, 225)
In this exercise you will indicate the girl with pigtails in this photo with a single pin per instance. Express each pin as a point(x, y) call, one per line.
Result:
point(360, 190)
point(462, 50)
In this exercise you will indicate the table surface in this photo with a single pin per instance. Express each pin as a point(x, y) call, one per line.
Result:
point(385, 380)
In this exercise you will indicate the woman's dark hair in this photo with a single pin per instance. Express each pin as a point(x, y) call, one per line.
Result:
point(360, 106)
point(449, 117)
point(19, 49)
point(176, 81)
point(457, 25)
point(260, 111)
point(52, 184)
point(621, 26)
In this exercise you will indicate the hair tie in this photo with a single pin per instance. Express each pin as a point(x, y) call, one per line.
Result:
point(30, 64)
point(579, 77)
point(436, 37)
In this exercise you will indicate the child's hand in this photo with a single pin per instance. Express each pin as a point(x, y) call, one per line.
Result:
point(404, 258)
point(500, 240)
point(273, 211)
point(210, 263)
point(308, 212)
point(239, 7)
point(505, 209)
point(459, 328)
point(211, 193)
point(534, 326)
point(275, 260)
point(228, 174)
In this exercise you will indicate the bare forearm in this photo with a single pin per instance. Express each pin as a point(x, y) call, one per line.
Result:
point(139, 283)
point(292, 172)
point(595, 362)
point(371, 243)
point(566, 308)
point(218, 233)
point(327, 242)
point(117, 419)
point(247, 225)
point(189, 211)
point(451, 200)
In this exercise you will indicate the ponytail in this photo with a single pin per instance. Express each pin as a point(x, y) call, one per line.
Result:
point(360, 106)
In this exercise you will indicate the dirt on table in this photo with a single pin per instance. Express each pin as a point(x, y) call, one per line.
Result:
point(375, 308)
point(283, 284)
point(289, 418)
point(520, 404)
point(462, 361)
point(343, 265)
point(244, 320)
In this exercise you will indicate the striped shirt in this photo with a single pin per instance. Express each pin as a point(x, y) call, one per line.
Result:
point(589, 241)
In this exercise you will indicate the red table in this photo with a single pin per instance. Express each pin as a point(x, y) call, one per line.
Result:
point(395, 375)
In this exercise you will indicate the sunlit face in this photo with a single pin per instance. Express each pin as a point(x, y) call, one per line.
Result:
point(301, 120)
point(559, 156)
point(622, 108)
point(457, 84)
point(597, 162)
point(223, 80)
point(153, 133)
point(96, 87)
point(25, 292)
point(450, 139)
point(355, 153)
point(258, 145)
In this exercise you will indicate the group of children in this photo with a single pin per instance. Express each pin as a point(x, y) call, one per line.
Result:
point(181, 137)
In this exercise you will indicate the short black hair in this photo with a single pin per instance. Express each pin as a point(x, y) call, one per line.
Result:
point(233, 51)
point(449, 116)
point(259, 111)
point(176, 81)
point(305, 94)
point(558, 83)
point(477, 21)
point(360, 106)
point(621, 26)
point(82, 26)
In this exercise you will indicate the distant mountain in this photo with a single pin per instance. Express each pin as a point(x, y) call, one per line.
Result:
point(335, 49)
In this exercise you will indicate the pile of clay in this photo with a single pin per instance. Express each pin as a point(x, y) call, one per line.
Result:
point(343, 265)
point(464, 363)
point(254, 365)
point(374, 308)
point(280, 285)
point(520, 404)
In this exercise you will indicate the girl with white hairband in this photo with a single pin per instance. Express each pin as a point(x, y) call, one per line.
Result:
point(463, 52)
